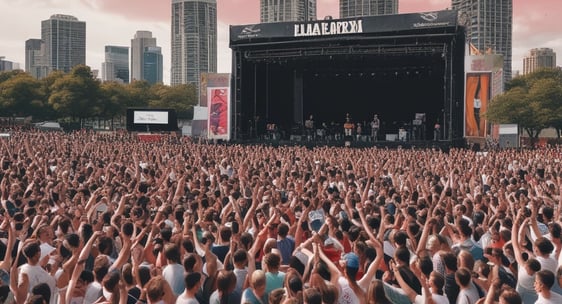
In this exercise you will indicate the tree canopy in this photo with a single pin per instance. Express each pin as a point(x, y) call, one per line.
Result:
point(78, 94)
point(533, 101)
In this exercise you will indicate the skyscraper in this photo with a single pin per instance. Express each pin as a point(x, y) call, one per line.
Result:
point(116, 65)
point(65, 42)
point(489, 27)
point(141, 40)
point(354, 8)
point(287, 10)
point(6, 65)
point(194, 40)
point(152, 69)
point(35, 58)
point(539, 58)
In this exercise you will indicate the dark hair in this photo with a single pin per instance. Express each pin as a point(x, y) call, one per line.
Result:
point(463, 276)
point(127, 228)
point(105, 245)
point(400, 238)
point(402, 254)
point(240, 256)
point(312, 296)
point(511, 296)
point(283, 230)
point(172, 253)
point(189, 262)
point(191, 279)
point(450, 260)
point(546, 277)
point(426, 265)
point(31, 249)
point(43, 290)
point(544, 245)
point(87, 276)
point(272, 260)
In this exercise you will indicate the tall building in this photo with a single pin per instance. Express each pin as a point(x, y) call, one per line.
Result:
point(194, 40)
point(355, 8)
point(65, 42)
point(6, 65)
point(139, 43)
point(35, 63)
point(287, 10)
point(539, 58)
point(489, 27)
point(152, 69)
point(116, 65)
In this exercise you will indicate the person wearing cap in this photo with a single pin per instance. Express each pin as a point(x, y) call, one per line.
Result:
point(349, 291)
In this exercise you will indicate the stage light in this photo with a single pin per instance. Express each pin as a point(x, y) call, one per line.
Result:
point(373, 74)
point(349, 74)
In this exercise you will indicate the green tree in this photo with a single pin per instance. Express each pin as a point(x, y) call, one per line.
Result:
point(113, 100)
point(139, 94)
point(181, 98)
point(20, 95)
point(533, 101)
point(76, 95)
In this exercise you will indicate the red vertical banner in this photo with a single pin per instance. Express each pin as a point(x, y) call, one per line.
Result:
point(477, 98)
point(219, 113)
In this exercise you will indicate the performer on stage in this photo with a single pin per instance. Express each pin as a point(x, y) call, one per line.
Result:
point(375, 125)
point(309, 127)
point(348, 126)
point(437, 131)
point(358, 131)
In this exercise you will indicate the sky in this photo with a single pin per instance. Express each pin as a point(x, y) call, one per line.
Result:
point(114, 22)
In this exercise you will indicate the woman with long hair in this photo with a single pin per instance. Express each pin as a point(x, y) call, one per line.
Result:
point(375, 293)
point(225, 292)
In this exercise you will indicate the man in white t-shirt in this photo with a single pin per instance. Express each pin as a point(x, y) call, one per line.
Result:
point(544, 280)
point(32, 274)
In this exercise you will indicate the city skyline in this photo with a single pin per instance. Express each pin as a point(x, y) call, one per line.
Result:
point(115, 22)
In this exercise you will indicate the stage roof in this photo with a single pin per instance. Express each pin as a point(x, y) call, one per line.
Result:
point(348, 27)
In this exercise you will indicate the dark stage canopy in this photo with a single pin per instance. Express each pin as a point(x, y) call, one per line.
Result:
point(393, 65)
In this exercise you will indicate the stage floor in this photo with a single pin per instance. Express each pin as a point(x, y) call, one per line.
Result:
point(384, 144)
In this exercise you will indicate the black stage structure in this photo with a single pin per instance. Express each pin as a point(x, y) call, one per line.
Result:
point(393, 65)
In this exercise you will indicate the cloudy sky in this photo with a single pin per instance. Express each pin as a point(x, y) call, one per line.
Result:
point(113, 22)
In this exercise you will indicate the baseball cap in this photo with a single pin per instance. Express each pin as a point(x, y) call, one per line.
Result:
point(351, 260)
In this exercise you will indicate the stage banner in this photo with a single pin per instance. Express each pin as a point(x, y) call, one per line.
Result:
point(477, 97)
point(348, 26)
point(219, 112)
point(484, 81)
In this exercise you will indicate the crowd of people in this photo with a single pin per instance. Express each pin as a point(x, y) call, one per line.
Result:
point(107, 218)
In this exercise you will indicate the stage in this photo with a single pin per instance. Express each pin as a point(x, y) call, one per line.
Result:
point(396, 66)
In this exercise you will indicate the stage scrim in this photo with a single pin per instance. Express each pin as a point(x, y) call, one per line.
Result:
point(484, 80)
point(212, 116)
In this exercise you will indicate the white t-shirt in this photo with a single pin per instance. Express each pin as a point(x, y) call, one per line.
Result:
point(174, 275)
point(548, 263)
point(347, 295)
point(437, 299)
point(554, 299)
point(468, 295)
point(93, 292)
point(36, 275)
point(183, 300)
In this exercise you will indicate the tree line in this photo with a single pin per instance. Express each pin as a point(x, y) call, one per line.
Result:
point(78, 95)
point(532, 101)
